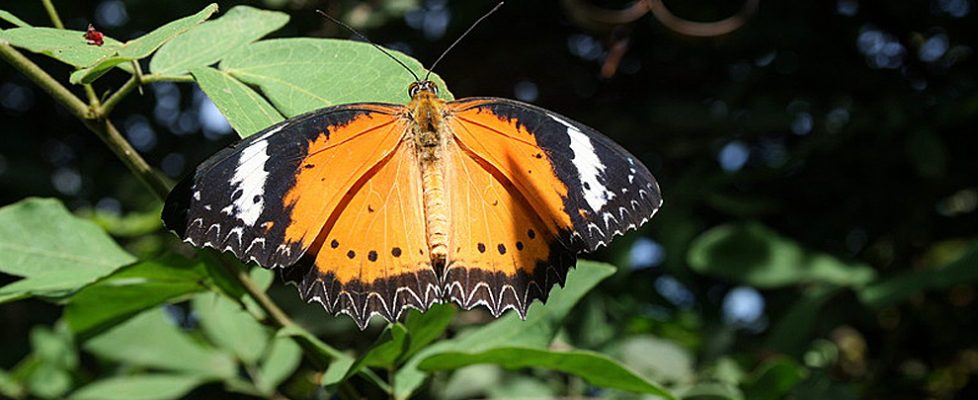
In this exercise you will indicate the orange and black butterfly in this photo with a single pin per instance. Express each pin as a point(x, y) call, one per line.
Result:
point(371, 208)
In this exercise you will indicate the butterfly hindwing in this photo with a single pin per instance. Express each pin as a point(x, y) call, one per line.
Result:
point(603, 190)
point(266, 198)
point(372, 255)
point(502, 253)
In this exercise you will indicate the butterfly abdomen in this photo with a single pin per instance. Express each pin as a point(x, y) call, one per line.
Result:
point(436, 211)
point(429, 140)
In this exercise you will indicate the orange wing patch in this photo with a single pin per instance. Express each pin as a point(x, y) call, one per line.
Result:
point(372, 255)
point(510, 149)
point(502, 254)
point(335, 161)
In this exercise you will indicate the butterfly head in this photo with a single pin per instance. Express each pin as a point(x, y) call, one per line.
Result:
point(424, 86)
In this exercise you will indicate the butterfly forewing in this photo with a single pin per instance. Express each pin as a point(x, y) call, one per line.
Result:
point(260, 198)
point(591, 185)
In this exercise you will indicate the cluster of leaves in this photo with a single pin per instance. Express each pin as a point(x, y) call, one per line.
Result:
point(112, 300)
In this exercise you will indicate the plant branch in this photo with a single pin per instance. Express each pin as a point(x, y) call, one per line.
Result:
point(75, 106)
point(95, 121)
point(105, 130)
point(53, 13)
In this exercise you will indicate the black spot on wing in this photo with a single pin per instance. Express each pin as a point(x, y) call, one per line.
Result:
point(636, 194)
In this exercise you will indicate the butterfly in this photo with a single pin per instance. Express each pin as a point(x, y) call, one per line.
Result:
point(373, 208)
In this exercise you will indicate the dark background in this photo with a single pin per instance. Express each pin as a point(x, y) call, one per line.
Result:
point(847, 126)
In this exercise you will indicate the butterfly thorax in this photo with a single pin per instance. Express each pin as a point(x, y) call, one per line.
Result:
point(426, 110)
point(429, 136)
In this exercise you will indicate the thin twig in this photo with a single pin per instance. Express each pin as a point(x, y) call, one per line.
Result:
point(93, 99)
point(105, 130)
point(53, 13)
point(120, 94)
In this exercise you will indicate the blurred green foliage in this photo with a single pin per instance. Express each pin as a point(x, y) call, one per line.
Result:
point(817, 239)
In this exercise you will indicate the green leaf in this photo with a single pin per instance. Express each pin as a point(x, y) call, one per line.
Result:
point(473, 382)
point(131, 290)
point(774, 379)
point(7, 16)
point(150, 340)
point(891, 291)
point(246, 110)
point(656, 359)
point(54, 251)
point(63, 45)
point(426, 327)
point(54, 358)
point(598, 369)
point(282, 359)
point(302, 74)
point(338, 371)
point(139, 387)
point(752, 254)
point(55, 348)
point(90, 74)
point(142, 46)
point(537, 331)
point(389, 348)
point(518, 386)
point(10, 387)
point(231, 327)
point(219, 274)
point(207, 43)
point(132, 224)
point(48, 381)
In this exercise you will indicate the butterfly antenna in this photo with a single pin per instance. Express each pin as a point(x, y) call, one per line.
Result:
point(361, 36)
point(486, 15)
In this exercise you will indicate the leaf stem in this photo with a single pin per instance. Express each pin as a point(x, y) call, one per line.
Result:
point(134, 82)
point(53, 13)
